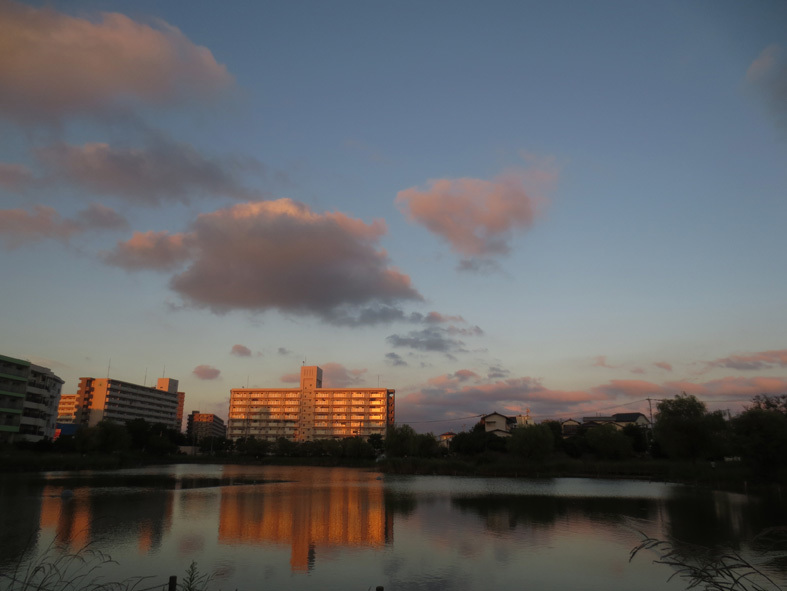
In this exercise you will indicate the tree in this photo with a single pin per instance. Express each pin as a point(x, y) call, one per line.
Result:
point(608, 443)
point(638, 437)
point(685, 430)
point(532, 442)
point(777, 402)
point(761, 441)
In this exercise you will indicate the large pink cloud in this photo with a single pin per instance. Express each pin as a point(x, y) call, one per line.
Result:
point(53, 65)
point(277, 255)
point(161, 170)
point(478, 218)
point(19, 226)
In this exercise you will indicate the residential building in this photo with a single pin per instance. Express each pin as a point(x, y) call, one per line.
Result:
point(310, 412)
point(67, 409)
point(101, 399)
point(29, 397)
point(501, 425)
point(497, 424)
point(203, 424)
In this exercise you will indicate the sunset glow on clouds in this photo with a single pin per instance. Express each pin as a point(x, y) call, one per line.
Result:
point(54, 66)
point(240, 196)
point(283, 256)
point(477, 218)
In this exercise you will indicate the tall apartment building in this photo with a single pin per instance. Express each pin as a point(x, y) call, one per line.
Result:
point(101, 399)
point(67, 409)
point(203, 424)
point(309, 412)
point(29, 397)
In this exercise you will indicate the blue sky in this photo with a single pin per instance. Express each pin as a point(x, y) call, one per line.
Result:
point(567, 207)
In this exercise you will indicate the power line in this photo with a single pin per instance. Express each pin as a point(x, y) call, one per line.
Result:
point(444, 420)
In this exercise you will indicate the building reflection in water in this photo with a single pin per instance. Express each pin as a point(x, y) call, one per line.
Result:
point(332, 512)
point(85, 517)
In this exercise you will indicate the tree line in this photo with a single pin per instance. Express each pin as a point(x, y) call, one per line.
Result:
point(684, 430)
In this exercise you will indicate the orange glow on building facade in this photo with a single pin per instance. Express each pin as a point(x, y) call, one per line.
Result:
point(104, 398)
point(310, 412)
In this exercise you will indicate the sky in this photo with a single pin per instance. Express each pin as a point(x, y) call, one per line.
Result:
point(562, 207)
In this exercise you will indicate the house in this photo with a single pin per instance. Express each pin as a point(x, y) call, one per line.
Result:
point(631, 418)
point(498, 424)
point(444, 439)
point(569, 427)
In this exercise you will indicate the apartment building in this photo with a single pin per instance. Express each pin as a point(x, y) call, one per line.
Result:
point(29, 398)
point(310, 412)
point(67, 409)
point(203, 424)
point(101, 399)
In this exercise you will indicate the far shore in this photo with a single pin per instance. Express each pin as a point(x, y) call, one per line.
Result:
point(722, 475)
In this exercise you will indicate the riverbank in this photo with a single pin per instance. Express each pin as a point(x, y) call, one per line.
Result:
point(721, 475)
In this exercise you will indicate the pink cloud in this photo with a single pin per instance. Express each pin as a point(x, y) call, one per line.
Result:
point(663, 365)
point(240, 351)
point(478, 218)
point(732, 387)
point(18, 226)
point(150, 250)
point(160, 171)
point(15, 177)
point(335, 375)
point(768, 74)
point(206, 372)
point(283, 256)
point(54, 65)
point(753, 361)
point(601, 361)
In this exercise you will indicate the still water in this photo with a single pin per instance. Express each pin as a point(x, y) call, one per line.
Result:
point(350, 530)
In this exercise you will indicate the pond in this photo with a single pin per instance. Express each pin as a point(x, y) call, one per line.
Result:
point(265, 527)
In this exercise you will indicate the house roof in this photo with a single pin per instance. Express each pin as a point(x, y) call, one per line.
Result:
point(628, 417)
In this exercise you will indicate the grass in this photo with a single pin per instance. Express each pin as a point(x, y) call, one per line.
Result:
point(701, 570)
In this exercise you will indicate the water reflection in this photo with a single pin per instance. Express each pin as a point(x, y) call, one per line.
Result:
point(291, 527)
point(324, 509)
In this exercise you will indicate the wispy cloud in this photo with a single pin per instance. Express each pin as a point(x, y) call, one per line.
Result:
point(336, 375)
point(206, 372)
point(663, 365)
point(753, 361)
point(54, 66)
point(162, 170)
point(395, 359)
point(284, 256)
point(478, 218)
point(151, 250)
point(15, 177)
point(435, 339)
point(768, 73)
point(19, 226)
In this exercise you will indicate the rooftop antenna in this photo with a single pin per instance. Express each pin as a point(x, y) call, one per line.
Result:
point(145, 381)
point(164, 371)
point(109, 364)
point(247, 381)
